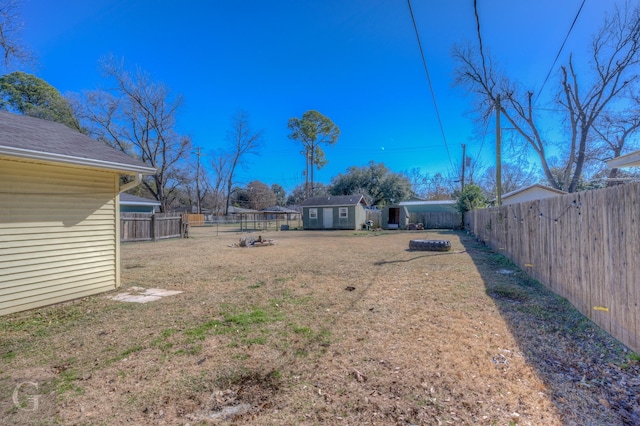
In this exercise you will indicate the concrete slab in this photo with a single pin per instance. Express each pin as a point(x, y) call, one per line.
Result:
point(160, 292)
point(144, 295)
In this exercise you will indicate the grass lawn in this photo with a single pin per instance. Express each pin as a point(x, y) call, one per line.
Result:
point(321, 328)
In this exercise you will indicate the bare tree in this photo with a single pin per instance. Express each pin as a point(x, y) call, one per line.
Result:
point(419, 181)
point(242, 141)
point(482, 78)
point(440, 188)
point(615, 53)
point(614, 57)
point(219, 177)
point(615, 132)
point(260, 195)
point(138, 116)
point(514, 176)
point(11, 25)
point(196, 185)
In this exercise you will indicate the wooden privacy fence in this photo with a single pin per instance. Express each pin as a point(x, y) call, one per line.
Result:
point(583, 246)
point(437, 220)
point(150, 227)
point(193, 219)
point(375, 216)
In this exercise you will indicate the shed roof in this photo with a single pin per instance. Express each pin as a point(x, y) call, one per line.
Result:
point(417, 202)
point(134, 200)
point(334, 200)
point(33, 138)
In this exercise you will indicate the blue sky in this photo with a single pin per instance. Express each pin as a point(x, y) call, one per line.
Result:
point(356, 61)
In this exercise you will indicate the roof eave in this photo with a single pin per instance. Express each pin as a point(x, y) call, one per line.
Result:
point(132, 203)
point(536, 185)
point(629, 160)
point(333, 205)
point(76, 161)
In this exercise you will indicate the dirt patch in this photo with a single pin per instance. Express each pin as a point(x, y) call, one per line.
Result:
point(323, 327)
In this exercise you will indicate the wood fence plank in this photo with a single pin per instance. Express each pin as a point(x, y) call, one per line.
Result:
point(633, 276)
point(583, 278)
point(626, 292)
point(611, 267)
point(618, 280)
point(148, 227)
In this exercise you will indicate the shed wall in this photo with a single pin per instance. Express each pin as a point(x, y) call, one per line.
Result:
point(356, 216)
point(58, 233)
point(360, 216)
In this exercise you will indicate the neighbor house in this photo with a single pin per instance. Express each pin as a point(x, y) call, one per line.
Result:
point(134, 204)
point(280, 212)
point(281, 215)
point(59, 213)
point(629, 160)
point(530, 193)
point(334, 212)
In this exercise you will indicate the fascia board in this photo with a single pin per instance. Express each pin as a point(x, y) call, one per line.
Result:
point(77, 161)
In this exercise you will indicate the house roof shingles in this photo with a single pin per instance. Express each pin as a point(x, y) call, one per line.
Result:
point(33, 138)
point(334, 200)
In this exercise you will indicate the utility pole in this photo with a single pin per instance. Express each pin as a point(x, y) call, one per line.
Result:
point(498, 153)
point(464, 160)
point(199, 154)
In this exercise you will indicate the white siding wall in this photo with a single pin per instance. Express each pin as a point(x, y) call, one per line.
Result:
point(529, 194)
point(58, 233)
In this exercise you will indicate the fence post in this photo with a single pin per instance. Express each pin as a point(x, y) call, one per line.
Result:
point(182, 225)
point(152, 231)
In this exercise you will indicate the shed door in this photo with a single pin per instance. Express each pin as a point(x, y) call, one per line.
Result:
point(394, 215)
point(327, 218)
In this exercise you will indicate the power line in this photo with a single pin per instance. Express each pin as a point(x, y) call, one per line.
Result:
point(560, 51)
point(475, 11)
point(433, 95)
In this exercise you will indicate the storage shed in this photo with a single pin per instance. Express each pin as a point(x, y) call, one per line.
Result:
point(395, 217)
point(334, 212)
point(59, 213)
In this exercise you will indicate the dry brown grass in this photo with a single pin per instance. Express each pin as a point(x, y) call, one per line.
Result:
point(321, 328)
